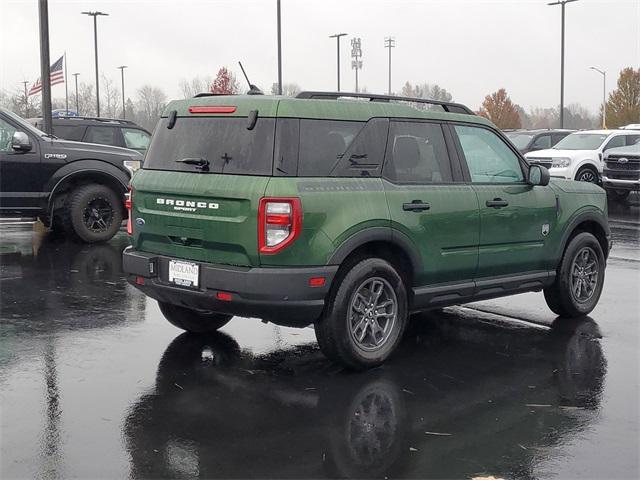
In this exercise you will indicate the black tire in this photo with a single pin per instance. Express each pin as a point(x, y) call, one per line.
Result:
point(571, 275)
point(194, 321)
point(335, 331)
point(619, 196)
point(587, 174)
point(93, 213)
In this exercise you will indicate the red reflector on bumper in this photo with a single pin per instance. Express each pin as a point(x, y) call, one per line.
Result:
point(316, 281)
point(224, 296)
point(139, 280)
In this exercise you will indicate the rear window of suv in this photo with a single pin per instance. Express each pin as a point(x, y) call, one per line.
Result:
point(225, 142)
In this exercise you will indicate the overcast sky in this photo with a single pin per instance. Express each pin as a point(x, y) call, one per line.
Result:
point(469, 47)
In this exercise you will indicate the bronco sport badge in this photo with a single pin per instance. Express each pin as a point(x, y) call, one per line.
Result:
point(186, 205)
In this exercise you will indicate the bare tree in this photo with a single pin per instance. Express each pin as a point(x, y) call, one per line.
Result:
point(427, 91)
point(150, 103)
point(190, 88)
point(288, 89)
point(110, 98)
point(86, 100)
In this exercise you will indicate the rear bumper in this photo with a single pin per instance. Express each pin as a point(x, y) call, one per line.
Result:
point(620, 184)
point(280, 295)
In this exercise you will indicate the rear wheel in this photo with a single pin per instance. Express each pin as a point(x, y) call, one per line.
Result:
point(587, 174)
point(194, 321)
point(579, 279)
point(365, 317)
point(93, 213)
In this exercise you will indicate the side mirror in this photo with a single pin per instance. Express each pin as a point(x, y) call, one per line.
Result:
point(539, 175)
point(20, 142)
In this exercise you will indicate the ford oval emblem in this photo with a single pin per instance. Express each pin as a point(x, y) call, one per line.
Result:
point(623, 160)
point(140, 221)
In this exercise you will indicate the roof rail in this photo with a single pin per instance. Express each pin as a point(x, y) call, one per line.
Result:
point(449, 107)
point(210, 94)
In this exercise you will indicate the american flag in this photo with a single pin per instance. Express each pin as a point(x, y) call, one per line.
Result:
point(56, 76)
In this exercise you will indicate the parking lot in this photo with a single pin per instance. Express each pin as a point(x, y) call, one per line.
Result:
point(95, 383)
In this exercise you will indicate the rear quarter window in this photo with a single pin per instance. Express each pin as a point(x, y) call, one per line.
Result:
point(225, 142)
point(69, 132)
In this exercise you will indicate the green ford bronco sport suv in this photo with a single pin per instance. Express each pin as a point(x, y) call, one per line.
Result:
point(349, 214)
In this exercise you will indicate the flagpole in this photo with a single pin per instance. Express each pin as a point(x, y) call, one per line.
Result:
point(45, 69)
point(66, 86)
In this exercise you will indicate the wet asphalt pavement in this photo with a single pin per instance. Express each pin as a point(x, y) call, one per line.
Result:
point(94, 383)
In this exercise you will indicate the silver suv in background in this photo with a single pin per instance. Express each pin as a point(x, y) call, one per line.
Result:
point(621, 173)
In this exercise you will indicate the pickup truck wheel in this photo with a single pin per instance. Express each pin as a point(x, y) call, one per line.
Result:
point(587, 174)
point(93, 213)
point(194, 321)
point(365, 316)
point(618, 195)
point(579, 278)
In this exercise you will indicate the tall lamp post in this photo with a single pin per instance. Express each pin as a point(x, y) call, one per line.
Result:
point(562, 4)
point(122, 67)
point(389, 43)
point(77, 103)
point(337, 37)
point(95, 16)
point(604, 95)
point(356, 55)
point(279, 49)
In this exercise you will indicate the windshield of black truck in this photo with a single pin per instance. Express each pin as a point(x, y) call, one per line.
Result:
point(213, 145)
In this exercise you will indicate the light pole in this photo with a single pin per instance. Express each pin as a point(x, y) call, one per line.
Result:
point(562, 4)
point(279, 52)
point(604, 95)
point(337, 37)
point(95, 44)
point(122, 67)
point(45, 69)
point(389, 42)
point(77, 103)
point(356, 55)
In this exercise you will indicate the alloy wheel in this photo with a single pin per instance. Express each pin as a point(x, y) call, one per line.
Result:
point(584, 275)
point(372, 313)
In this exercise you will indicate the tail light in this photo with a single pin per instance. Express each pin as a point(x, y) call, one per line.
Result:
point(128, 199)
point(279, 223)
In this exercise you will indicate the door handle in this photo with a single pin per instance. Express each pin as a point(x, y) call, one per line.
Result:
point(415, 206)
point(497, 203)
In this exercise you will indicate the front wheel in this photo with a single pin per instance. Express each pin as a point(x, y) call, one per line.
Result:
point(365, 317)
point(587, 174)
point(194, 321)
point(619, 196)
point(579, 278)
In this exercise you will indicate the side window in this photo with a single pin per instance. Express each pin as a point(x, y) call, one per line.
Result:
point(136, 139)
point(632, 139)
point(489, 159)
point(323, 143)
point(556, 137)
point(69, 132)
point(102, 135)
point(417, 153)
point(615, 142)
point(6, 134)
point(543, 141)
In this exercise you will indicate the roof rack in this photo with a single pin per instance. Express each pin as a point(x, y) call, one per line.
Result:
point(449, 107)
point(99, 119)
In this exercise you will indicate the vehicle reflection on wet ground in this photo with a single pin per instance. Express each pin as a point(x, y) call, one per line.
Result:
point(95, 383)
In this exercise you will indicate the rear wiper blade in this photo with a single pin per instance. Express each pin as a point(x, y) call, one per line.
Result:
point(201, 163)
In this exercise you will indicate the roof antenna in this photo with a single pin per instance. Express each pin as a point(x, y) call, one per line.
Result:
point(253, 90)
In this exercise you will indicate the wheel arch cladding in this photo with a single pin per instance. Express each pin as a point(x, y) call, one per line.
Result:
point(86, 172)
point(390, 245)
point(590, 222)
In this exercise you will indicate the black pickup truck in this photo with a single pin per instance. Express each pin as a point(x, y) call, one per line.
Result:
point(75, 188)
point(621, 173)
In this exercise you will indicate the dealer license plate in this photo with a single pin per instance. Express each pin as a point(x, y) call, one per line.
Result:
point(185, 274)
